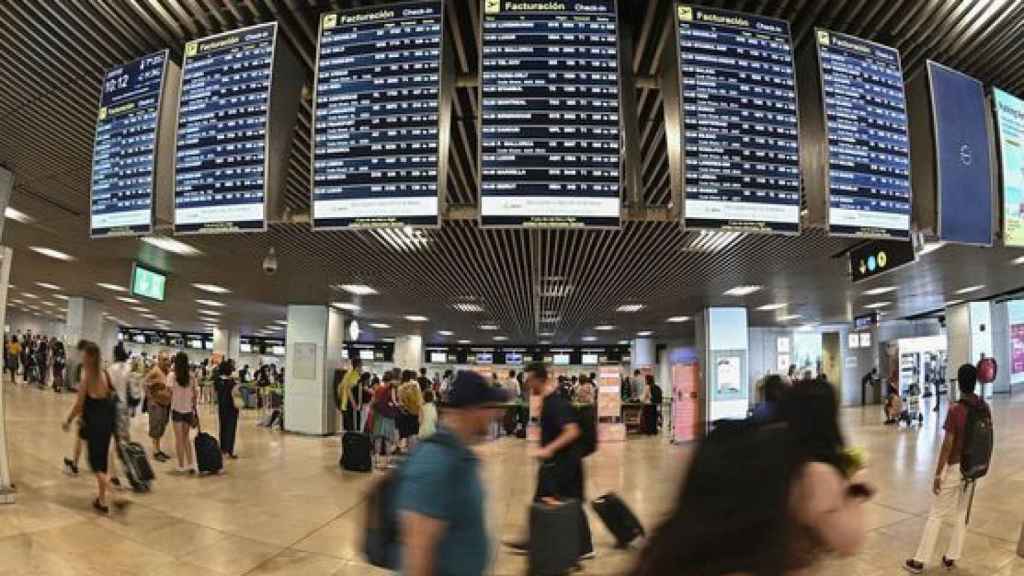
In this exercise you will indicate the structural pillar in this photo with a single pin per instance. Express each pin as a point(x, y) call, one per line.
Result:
point(227, 343)
point(643, 357)
point(314, 343)
point(409, 352)
point(722, 346)
point(968, 336)
point(6, 256)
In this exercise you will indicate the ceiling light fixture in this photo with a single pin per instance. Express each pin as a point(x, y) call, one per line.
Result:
point(171, 245)
point(645, 333)
point(464, 342)
point(466, 307)
point(127, 300)
point(500, 338)
point(744, 290)
point(29, 295)
point(446, 333)
point(380, 325)
point(875, 305)
point(630, 308)
point(604, 327)
point(61, 296)
point(347, 306)
point(488, 326)
point(140, 309)
point(113, 287)
point(416, 318)
point(776, 306)
point(545, 342)
point(590, 338)
point(48, 286)
point(789, 317)
point(970, 289)
point(51, 253)
point(281, 322)
point(678, 319)
point(405, 239)
point(954, 303)
point(211, 288)
point(18, 215)
point(358, 289)
point(546, 334)
point(623, 342)
point(211, 303)
point(879, 290)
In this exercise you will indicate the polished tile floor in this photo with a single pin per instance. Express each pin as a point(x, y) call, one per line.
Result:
point(286, 508)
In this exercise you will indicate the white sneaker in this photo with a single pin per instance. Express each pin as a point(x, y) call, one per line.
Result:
point(179, 470)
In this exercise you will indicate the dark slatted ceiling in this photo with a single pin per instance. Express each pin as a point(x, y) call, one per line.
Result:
point(529, 282)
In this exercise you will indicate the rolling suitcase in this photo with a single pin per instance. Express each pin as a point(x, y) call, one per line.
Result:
point(618, 518)
point(136, 465)
point(209, 459)
point(554, 538)
point(356, 445)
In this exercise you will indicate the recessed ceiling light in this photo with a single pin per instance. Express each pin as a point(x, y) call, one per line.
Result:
point(380, 325)
point(211, 303)
point(954, 302)
point(970, 289)
point(488, 326)
point(879, 290)
point(500, 338)
point(874, 305)
point(557, 291)
point(113, 287)
point(171, 245)
point(630, 308)
point(545, 342)
point(281, 322)
point(546, 334)
point(645, 333)
point(346, 306)
point(150, 316)
point(211, 288)
point(464, 342)
point(48, 286)
point(677, 319)
point(126, 299)
point(623, 342)
point(50, 252)
point(140, 308)
point(61, 296)
point(789, 317)
point(589, 338)
point(466, 307)
point(208, 312)
point(416, 318)
point(775, 306)
point(29, 295)
point(18, 215)
point(604, 327)
point(358, 289)
point(745, 290)
point(446, 332)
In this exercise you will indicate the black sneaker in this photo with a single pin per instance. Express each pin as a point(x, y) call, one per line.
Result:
point(69, 467)
point(913, 566)
point(949, 564)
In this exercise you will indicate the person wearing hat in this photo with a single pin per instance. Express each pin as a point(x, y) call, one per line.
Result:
point(440, 494)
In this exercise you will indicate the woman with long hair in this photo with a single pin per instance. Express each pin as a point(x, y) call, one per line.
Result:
point(96, 406)
point(766, 500)
point(183, 411)
point(226, 387)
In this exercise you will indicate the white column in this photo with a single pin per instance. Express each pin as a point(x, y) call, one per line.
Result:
point(108, 339)
point(6, 256)
point(314, 342)
point(84, 321)
point(409, 352)
point(642, 353)
point(968, 336)
point(722, 343)
point(227, 343)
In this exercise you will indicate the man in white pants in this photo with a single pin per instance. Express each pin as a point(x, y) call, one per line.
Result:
point(952, 492)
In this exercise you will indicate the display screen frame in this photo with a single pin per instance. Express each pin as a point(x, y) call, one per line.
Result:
point(1001, 126)
point(136, 267)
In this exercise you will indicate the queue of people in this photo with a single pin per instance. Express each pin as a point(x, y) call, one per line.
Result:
point(37, 358)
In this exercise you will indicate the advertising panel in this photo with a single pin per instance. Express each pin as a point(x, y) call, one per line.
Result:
point(1010, 122)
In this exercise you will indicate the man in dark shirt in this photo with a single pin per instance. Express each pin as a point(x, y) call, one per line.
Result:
point(950, 489)
point(561, 472)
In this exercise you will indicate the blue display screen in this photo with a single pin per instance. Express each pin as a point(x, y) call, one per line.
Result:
point(742, 166)
point(550, 145)
point(124, 152)
point(868, 147)
point(375, 156)
point(220, 164)
point(964, 163)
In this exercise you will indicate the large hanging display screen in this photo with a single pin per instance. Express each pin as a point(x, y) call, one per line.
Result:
point(868, 176)
point(124, 153)
point(549, 145)
point(220, 159)
point(1010, 120)
point(740, 133)
point(375, 151)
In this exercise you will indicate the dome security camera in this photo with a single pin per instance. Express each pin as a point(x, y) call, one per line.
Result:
point(270, 263)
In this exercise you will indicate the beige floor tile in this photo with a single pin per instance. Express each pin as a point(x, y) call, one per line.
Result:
point(297, 563)
point(233, 555)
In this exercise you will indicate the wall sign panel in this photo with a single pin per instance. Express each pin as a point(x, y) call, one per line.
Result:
point(1010, 120)
point(740, 132)
point(550, 126)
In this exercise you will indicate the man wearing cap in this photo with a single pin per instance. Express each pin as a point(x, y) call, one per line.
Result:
point(440, 494)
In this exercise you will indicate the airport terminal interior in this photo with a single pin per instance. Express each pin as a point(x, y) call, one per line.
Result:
point(600, 247)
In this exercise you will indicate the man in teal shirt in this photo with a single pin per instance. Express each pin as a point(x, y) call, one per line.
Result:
point(440, 495)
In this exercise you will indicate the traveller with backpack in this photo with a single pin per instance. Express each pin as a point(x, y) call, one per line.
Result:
point(963, 459)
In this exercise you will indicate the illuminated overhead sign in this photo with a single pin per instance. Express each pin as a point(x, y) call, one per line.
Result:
point(1010, 120)
point(877, 257)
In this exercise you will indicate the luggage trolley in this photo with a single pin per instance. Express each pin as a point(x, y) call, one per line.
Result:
point(912, 413)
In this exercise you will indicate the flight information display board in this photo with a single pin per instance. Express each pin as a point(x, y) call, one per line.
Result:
point(1010, 124)
point(549, 145)
point(220, 159)
point(740, 128)
point(865, 107)
point(124, 155)
point(376, 119)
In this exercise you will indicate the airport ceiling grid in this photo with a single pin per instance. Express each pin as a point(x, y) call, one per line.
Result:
point(528, 282)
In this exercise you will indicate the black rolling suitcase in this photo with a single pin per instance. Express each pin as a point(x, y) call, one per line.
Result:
point(554, 538)
point(618, 518)
point(356, 445)
point(649, 420)
point(136, 465)
point(209, 458)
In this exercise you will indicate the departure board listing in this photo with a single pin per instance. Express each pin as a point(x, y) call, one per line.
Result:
point(550, 144)
point(1010, 120)
point(868, 146)
point(220, 170)
point(124, 154)
point(740, 136)
point(375, 159)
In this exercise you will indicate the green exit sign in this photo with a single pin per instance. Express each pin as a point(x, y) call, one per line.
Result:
point(148, 283)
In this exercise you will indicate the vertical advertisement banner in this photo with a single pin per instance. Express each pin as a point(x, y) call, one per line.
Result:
point(1015, 313)
point(1010, 121)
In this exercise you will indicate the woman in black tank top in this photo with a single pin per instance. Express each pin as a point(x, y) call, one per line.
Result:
point(96, 405)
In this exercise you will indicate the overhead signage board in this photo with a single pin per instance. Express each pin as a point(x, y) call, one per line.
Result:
point(868, 144)
point(878, 257)
point(864, 322)
point(148, 282)
point(221, 170)
point(1010, 123)
point(740, 132)
point(134, 103)
point(550, 148)
point(379, 119)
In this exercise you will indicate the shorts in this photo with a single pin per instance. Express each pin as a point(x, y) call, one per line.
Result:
point(408, 425)
point(158, 416)
point(181, 416)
